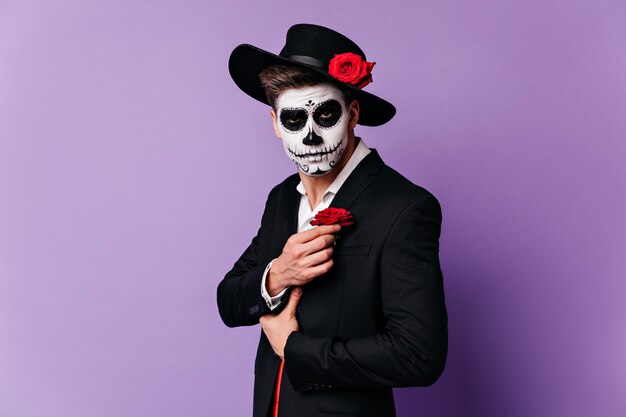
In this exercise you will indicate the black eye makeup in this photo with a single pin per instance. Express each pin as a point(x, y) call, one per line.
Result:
point(327, 114)
point(293, 120)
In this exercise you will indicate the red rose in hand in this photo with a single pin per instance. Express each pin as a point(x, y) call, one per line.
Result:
point(352, 69)
point(332, 215)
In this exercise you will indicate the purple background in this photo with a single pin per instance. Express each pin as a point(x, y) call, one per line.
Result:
point(133, 173)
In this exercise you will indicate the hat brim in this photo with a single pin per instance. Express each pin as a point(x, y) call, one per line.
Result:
point(247, 61)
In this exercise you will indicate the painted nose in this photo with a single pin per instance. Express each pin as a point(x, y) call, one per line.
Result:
point(312, 139)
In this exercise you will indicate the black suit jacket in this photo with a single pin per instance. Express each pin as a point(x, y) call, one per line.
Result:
point(377, 320)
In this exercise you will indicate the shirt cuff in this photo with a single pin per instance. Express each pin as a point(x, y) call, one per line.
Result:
point(272, 302)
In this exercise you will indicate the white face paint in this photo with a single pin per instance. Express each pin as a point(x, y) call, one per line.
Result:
point(313, 123)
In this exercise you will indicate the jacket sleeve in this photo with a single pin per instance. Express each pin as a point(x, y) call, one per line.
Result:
point(239, 298)
point(412, 347)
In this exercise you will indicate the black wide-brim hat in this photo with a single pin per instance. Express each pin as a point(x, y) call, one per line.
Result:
point(310, 47)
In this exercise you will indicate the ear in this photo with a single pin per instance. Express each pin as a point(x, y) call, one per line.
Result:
point(275, 123)
point(353, 112)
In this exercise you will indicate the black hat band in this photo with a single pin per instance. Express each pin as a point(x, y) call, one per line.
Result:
point(308, 60)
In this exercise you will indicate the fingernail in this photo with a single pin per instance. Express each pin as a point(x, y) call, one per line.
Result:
point(298, 290)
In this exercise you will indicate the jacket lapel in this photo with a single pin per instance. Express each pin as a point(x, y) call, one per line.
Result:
point(287, 211)
point(358, 180)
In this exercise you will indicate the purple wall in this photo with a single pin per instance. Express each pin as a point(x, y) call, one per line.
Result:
point(133, 173)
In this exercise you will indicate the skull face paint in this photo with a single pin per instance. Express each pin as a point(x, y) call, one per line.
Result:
point(313, 122)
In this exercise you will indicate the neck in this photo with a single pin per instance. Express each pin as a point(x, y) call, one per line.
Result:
point(316, 186)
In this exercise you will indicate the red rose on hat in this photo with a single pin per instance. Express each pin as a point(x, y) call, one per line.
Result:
point(352, 69)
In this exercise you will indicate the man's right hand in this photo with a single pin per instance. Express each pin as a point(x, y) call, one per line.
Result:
point(306, 255)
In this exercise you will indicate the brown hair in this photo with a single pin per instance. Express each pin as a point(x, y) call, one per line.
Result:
point(277, 78)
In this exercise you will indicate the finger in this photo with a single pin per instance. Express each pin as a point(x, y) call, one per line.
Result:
point(294, 298)
point(317, 258)
point(316, 271)
point(315, 232)
point(317, 244)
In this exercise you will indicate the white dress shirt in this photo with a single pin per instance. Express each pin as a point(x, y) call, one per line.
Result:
point(306, 214)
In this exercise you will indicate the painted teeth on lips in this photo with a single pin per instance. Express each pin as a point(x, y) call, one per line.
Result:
point(319, 154)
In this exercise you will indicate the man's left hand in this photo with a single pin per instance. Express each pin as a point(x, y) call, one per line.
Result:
point(278, 327)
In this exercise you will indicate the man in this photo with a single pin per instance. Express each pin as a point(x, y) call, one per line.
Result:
point(346, 313)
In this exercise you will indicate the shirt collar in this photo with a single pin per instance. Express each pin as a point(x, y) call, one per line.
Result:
point(357, 156)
